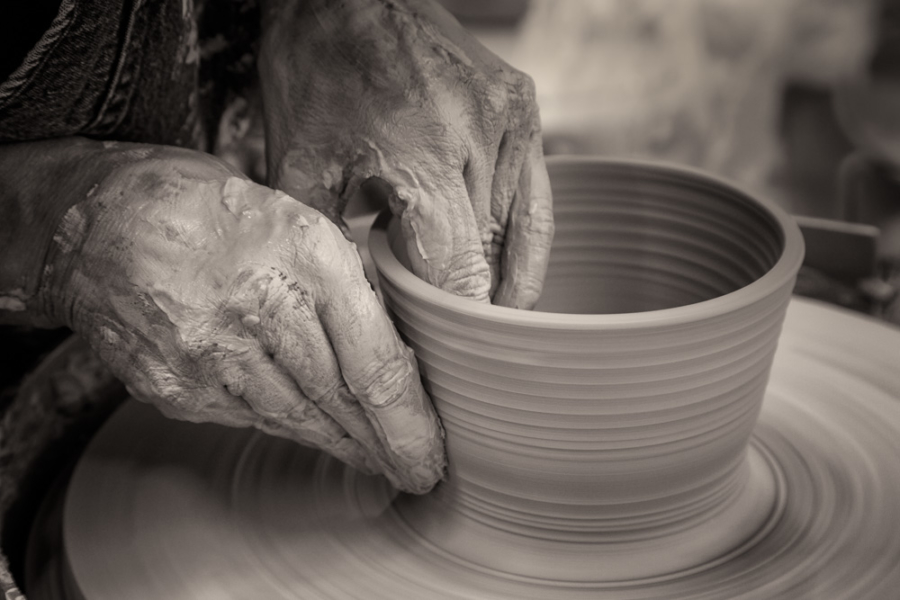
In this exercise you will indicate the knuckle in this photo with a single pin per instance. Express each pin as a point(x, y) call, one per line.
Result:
point(383, 383)
point(495, 96)
point(197, 350)
point(526, 85)
point(233, 379)
point(161, 384)
point(468, 275)
point(163, 389)
point(329, 249)
point(332, 396)
point(525, 90)
point(208, 357)
point(297, 413)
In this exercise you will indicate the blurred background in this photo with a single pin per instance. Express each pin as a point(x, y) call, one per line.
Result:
point(796, 100)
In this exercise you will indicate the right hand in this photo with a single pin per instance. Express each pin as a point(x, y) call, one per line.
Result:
point(397, 98)
point(221, 300)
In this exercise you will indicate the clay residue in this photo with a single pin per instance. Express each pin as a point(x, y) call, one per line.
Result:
point(70, 234)
point(233, 196)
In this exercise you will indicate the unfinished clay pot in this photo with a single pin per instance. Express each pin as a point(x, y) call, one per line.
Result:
point(590, 438)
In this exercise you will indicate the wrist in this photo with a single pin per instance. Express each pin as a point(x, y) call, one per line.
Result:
point(35, 195)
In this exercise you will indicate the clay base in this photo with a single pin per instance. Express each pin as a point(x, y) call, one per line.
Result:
point(520, 551)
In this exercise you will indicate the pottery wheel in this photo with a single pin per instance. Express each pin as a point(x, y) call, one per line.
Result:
point(163, 509)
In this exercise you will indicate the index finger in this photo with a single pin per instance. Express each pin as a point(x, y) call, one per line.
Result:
point(529, 233)
point(381, 372)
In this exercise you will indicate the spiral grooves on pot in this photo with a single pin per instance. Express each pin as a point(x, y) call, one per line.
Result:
point(617, 415)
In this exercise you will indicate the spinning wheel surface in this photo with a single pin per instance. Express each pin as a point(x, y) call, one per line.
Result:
point(159, 508)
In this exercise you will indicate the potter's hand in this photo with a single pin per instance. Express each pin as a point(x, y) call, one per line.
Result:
point(397, 96)
point(220, 300)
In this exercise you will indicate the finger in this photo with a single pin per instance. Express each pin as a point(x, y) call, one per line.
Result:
point(529, 234)
point(382, 374)
point(511, 153)
point(442, 238)
point(285, 411)
point(292, 334)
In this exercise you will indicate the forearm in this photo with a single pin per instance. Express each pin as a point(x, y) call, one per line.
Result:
point(39, 182)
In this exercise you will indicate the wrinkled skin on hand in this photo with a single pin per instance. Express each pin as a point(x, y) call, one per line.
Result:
point(397, 97)
point(220, 300)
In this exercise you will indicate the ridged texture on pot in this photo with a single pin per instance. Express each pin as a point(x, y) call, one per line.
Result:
point(624, 427)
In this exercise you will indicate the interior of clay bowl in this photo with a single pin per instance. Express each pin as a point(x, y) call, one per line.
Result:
point(591, 437)
point(632, 241)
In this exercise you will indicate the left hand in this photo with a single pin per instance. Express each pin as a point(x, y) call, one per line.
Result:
point(395, 96)
point(220, 300)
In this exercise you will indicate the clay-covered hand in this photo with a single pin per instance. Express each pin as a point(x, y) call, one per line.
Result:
point(221, 300)
point(395, 95)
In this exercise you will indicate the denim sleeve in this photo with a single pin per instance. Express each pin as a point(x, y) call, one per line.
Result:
point(110, 69)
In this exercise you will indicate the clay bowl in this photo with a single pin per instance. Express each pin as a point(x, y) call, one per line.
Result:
point(606, 436)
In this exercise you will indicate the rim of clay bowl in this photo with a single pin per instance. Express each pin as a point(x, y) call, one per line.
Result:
point(784, 269)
